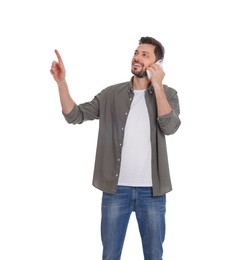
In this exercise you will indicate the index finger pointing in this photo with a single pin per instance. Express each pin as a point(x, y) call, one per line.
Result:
point(59, 57)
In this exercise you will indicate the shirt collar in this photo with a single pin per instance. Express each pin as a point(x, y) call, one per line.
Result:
point(130, 87)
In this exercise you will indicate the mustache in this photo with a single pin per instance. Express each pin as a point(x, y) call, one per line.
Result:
point(135, 61)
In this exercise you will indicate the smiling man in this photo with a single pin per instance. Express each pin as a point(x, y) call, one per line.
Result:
point(131, 166)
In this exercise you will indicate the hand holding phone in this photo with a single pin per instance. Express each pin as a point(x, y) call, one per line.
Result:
point(149, 73)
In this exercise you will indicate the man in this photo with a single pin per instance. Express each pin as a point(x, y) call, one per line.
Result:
point(131, 166)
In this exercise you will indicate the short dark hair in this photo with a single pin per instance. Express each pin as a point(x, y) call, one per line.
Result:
point(159, 50)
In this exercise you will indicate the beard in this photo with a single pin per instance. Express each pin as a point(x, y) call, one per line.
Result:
point(140, 74)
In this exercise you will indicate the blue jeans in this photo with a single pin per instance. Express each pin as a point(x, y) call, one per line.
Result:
point(150, 214)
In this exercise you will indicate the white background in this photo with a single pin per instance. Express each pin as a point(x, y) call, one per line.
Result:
point(48, 206)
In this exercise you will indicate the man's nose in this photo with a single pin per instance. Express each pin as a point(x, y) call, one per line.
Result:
point(136, 58)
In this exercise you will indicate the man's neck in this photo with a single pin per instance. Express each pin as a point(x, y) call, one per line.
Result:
point(140, 83)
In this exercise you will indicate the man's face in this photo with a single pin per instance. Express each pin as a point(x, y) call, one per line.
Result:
point(143, 57)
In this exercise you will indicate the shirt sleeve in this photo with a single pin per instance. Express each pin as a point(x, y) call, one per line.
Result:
point(170, 122)
point(83, 112)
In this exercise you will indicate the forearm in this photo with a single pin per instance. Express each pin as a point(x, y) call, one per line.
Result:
point(67, 103)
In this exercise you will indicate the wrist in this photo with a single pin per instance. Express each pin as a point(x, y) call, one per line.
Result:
point(158, 87)
point(62, 83)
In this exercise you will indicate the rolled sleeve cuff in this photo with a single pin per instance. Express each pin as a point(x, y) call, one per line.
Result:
point(169, 123)
point(72, 116)
point(166, 117)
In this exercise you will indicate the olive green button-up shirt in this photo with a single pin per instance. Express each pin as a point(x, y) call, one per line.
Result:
point(111, 106)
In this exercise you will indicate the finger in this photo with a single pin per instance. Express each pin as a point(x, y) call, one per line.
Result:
point(152, 67)
point(156, 67)
point(59, 56)
point(53, 71)
point(54, 64)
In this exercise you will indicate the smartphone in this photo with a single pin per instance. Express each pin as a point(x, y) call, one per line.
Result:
point(149, 73)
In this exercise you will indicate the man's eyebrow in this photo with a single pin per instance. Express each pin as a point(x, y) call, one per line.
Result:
point(144, 52)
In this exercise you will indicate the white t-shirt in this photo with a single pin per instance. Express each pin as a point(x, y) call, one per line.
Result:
point(136, 167)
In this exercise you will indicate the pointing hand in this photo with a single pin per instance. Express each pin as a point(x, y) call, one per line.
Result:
point(58, 69)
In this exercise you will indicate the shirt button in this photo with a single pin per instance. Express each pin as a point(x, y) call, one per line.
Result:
point(120, 144)
point(116, 175)
point(126, 113)
point(122, 129)
point(118, 159)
